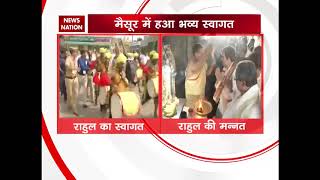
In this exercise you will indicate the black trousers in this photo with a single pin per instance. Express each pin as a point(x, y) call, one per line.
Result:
point(209, 92)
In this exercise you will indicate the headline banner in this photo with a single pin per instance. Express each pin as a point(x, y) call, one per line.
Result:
point(168, 23)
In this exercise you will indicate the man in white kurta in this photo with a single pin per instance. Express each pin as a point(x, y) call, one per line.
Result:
point(247, 103)
point(229, 92)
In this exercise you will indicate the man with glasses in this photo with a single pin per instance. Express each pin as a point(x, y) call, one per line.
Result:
point(246, 104)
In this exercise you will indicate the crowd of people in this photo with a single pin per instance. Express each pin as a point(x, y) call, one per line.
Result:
point(107, 78)
point(230, 80)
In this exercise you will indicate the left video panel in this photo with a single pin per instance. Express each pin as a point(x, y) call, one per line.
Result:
point(108, 76)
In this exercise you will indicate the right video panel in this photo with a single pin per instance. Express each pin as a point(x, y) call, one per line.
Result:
point(212, 77)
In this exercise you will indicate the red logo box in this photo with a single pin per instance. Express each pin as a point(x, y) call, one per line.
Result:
point(71, 24)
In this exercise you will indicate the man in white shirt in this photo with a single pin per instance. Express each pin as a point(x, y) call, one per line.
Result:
point(246, 104)
point(229, 91)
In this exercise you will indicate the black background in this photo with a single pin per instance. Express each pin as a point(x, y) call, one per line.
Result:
point(21, 75)
point(21, 83)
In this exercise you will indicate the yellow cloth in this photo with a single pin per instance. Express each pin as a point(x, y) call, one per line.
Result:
point(102, 50)
point(130, 55)
point(156, 84)
point(139, 73)
point(154, 55)
point(196, 87)
point(191, 100)
point(121, 58)
point(130, 103)
point(135, 54)
point(108, 55)
point(151, 52)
